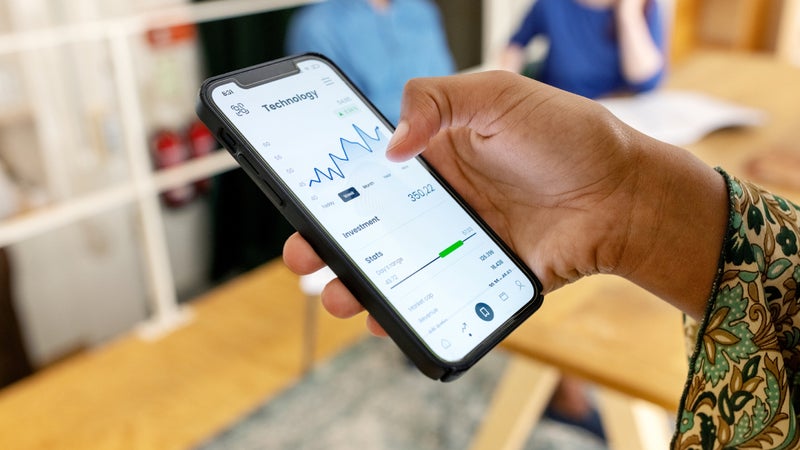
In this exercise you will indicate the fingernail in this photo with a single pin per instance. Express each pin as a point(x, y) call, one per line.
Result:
point(399, 135)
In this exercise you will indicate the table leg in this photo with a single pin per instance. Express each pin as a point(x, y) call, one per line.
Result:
point(517, 405)
point(633, 424)
point(309, 333)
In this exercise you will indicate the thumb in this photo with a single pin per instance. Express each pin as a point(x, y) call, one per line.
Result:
point(430, 105)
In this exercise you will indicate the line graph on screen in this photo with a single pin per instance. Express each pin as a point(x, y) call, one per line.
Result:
point(349, 150)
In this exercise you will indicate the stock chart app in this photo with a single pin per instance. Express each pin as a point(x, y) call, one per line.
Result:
point(434, 264)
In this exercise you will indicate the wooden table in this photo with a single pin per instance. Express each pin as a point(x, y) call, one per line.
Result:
point(613, 333)
point(758, 81)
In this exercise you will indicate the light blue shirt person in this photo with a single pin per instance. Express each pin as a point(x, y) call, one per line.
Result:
point(378, 44)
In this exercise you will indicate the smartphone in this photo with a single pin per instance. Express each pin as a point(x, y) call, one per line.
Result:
point(442, 284)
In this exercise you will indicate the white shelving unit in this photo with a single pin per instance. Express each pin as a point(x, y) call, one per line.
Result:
point(143, 185)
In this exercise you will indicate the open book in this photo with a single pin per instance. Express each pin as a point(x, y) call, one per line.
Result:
point(680, 117)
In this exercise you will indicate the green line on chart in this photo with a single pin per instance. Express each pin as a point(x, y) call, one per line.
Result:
point(451, 249)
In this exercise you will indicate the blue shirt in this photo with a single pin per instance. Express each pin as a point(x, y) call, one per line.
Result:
point(584, 55)
point(378, 50)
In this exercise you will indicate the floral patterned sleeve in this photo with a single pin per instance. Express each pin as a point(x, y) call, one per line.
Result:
point(743, 388)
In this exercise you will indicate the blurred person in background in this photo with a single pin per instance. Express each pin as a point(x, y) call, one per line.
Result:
point(378, 44)
point(596, 47)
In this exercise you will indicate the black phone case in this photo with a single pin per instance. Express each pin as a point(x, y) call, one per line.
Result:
point(341, 264)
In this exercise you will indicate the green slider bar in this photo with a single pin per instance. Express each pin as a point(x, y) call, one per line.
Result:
point(450, 249)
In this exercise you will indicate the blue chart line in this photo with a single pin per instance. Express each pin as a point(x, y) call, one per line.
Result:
point(368, 144)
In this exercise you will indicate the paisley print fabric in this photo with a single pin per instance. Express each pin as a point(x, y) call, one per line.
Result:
point(743, 388)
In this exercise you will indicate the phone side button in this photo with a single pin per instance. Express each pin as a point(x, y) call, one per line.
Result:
point(263, 184)
point(247, 165)
point(228, 140)
point(271, 194)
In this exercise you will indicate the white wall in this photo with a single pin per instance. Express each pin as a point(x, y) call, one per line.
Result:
point(77, 286)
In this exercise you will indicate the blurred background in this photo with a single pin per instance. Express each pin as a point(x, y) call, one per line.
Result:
point(118, 210)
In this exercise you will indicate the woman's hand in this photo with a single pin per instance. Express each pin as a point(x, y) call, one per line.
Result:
point(570, 188)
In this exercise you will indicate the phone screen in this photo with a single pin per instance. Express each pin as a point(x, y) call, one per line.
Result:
point(436, 266)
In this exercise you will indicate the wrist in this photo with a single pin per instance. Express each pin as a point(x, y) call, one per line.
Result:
point(677, 226)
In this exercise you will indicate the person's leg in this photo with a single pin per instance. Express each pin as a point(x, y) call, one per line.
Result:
point(571, 404)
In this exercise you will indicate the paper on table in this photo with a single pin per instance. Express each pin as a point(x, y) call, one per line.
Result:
point(681, 117)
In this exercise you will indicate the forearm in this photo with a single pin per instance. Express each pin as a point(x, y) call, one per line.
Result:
point(640, 57)
point(678, 226)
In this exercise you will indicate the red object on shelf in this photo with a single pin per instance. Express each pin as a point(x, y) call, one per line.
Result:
point(169, 150)
point(201, 143)
point(167, 36)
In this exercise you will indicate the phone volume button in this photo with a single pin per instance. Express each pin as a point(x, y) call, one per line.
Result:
point(244, 162)
point(228, 140)
point(259, 179)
